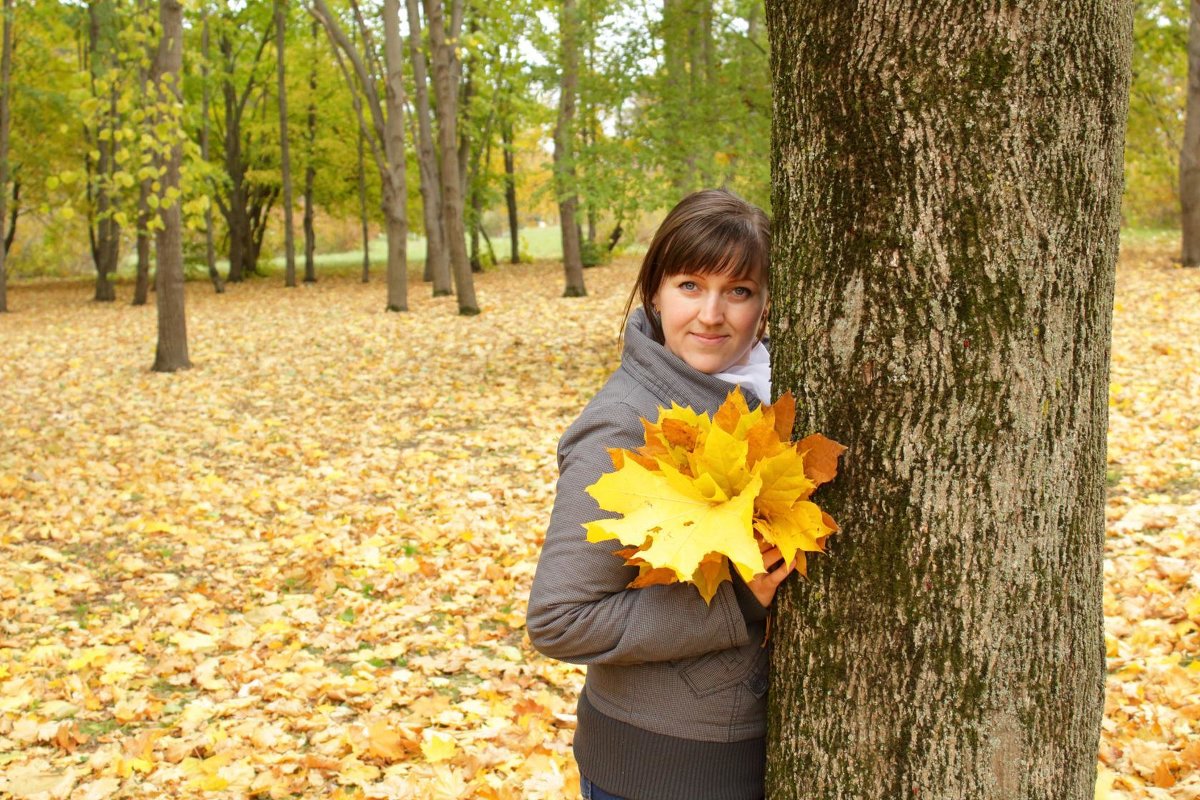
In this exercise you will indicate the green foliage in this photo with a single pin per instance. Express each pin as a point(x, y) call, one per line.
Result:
point(1157, 100)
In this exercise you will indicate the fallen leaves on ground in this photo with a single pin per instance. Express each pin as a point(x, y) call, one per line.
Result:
point(300, 568)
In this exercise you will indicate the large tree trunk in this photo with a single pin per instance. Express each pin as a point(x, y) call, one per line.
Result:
point(310, 172)
point(210, 250)
point(445, 84)
point(285, 161)
point(437, 260)
point(947, 188)
point(172, 352)
point(564, 157)
point(5, 83)
point(1189, 156)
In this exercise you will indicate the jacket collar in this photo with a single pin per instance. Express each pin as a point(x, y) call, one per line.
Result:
point(667, 375)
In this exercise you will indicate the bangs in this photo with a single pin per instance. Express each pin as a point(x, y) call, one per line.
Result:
point(730, 250)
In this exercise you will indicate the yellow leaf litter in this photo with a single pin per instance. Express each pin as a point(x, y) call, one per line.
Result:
point(299, 569)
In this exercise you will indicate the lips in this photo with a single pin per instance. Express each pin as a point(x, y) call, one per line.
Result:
point(710, 338)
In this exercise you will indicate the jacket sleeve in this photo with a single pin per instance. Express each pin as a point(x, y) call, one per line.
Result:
point(579, 608)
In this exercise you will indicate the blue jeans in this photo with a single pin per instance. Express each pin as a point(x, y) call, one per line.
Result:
point(591, 791)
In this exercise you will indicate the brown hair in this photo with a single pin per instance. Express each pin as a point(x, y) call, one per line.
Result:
point(707, 232)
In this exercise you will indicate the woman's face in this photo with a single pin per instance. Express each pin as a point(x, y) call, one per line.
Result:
point(710, 321)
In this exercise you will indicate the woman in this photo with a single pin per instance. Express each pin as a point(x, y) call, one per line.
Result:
point(674, 705)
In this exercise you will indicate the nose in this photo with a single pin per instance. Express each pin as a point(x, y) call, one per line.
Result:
point(712, 310)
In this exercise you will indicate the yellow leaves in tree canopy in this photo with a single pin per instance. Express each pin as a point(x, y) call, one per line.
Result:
point(696, 493)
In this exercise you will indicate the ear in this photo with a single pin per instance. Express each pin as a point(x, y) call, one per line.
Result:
point(762, 320)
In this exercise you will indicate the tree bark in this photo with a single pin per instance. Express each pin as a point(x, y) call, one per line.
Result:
point(5, 84)
point(510, 190)
point(564, 158)
point(437, 260)
point(285, 160)
point(946, 192)
point(395, 189)
point(210, 250)
point(1189, 156)
point(310, 172)
point(362, 212)
point(172, 352)
point(445, 84)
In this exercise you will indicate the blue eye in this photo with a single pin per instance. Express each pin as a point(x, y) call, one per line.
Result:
point(742, 291)
point(688, 285)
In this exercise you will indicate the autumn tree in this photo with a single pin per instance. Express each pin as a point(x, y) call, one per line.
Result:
point(444, 33)
point(946, 197)
point(5, 83)
point(564, 158)
point(285, 161)
point(1189, 155)
point(172, 352)
point(364, 71)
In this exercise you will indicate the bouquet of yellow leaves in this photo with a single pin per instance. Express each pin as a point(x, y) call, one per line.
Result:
point(696, 493)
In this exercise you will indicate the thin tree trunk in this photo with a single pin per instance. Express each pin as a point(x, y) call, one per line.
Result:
point(13, 214)
point(445, 84)
point(947, 189)
point(437, 259)
point(141, 289)
point(310, 173)
point(1189, 156)
point(510, 190)
point(101, 36)
point(172, 352)
point(285, 161)
point(210, 250)
point(396, 188)
point(362, 212)
point(564, 158)
point(5, 84)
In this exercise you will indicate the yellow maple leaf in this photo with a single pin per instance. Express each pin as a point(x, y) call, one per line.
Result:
point(683, 519)
point(695, 495)
point(438, 747)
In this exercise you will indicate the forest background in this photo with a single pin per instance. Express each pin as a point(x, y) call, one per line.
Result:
point(669, 98)
point(299, 569)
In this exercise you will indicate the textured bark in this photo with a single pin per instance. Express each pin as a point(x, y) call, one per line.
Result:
point(445, 84)
point(564, 155)
point(172, 351)
point(1189, 156)
point(285, 160)
point(437, 260)
point(947, 184)
point(5, 83)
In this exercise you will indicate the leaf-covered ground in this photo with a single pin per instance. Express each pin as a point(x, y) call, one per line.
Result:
point(299, 569)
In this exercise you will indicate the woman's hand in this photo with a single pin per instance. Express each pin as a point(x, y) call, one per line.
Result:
point(763, 586)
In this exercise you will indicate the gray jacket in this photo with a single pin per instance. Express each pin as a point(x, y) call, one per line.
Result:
point(658, 658)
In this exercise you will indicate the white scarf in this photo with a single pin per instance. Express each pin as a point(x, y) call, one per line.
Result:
point(755, 373)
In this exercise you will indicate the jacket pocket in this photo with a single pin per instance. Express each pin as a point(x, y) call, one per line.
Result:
point(715, 672)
